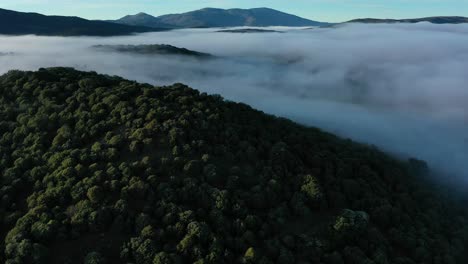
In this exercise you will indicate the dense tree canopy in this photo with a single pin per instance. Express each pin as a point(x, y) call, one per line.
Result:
point(98, 169)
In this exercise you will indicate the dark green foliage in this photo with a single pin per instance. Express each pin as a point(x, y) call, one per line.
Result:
point(350, 220)
point(311, 189)
point(95, 194)
point(162, 258)
point(98, 169)
point(250, 255)
point(94, 258)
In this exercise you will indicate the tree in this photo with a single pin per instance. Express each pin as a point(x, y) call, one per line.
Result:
point(41, 231)
point(162, 258)
point(250, 255)
point(350, 220)
point(94, 258)
point(95, 194)
point(312, 190)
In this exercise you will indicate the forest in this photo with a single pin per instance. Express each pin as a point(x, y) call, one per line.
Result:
point(97, 169)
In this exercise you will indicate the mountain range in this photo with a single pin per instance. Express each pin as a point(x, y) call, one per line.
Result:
point(434, 20)
point(215, 17)
point(19, 23)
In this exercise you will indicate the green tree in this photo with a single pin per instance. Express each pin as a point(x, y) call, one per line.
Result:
point(95, 194)
point(94, 258)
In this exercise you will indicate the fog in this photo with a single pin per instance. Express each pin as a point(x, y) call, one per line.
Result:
point(401, 87)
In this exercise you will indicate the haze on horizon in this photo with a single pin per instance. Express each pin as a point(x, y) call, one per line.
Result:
point(321, 10)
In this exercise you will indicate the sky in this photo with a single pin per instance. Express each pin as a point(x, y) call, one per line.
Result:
point(321, 10)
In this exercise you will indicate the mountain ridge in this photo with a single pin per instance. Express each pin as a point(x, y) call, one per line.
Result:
point(217, 17)
point(141, 19)
point(25, 23)
point(434, 20)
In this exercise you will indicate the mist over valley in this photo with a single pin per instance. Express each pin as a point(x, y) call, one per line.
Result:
point(401, 87)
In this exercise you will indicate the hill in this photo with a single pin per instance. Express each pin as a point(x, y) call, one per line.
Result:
point(19, 23)
point(154, 49)
point(434, 20)
point(142, 19)
point(99, 169)
point(214, 17)
point(248, 30)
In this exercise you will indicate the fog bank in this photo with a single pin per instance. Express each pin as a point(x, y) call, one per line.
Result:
point(402, 87)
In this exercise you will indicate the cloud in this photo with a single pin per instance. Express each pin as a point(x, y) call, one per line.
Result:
point(401, 87)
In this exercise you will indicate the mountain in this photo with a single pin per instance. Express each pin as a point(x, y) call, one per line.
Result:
point(19, 23)
point(259, 17)
point(98, 169)
point(155, 49)
point(214, 17)
point(142, 19)
point(434, 20)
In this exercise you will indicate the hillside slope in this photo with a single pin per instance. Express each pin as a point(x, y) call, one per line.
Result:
point(98, 169)
point(19, 23)
point(215, 17)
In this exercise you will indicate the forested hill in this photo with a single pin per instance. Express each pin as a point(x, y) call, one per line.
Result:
point(98, 169)
point(19, 23)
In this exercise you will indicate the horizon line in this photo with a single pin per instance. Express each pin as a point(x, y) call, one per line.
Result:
point(219, 8)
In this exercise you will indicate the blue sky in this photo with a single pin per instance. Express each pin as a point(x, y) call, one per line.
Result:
point(322, 10)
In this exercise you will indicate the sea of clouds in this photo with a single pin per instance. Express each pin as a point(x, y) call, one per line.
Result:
point(401, 87)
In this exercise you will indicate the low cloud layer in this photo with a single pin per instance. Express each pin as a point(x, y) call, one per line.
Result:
point(402, 87)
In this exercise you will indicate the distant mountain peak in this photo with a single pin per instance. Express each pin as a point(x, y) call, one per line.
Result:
point(265, 9)
point(141, 14)
point(208, 8)
point(138, 15)
point(142, 19)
